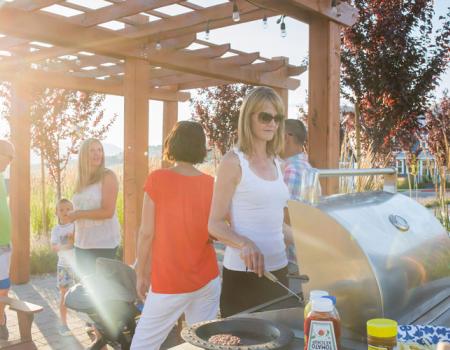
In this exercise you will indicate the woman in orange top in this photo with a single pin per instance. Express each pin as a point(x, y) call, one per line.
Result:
point(174, 249)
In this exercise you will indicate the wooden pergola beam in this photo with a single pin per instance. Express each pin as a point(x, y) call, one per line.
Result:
point(54, 52)
point(117, 11)
point(58, 32)
point(211, 52)
point(218, 70)
point(9, 42)
point(33, 5)
point(193, 22)
point(307, 10)
point(64, 81)
point(180, 78)
point(201, 84)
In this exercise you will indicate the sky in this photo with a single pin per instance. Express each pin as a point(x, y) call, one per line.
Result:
point(247, 37)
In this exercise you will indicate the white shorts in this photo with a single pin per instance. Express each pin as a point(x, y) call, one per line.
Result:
point(161, 311)
point(5, 258)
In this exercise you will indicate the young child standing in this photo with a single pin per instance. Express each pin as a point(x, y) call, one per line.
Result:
point(62, 242)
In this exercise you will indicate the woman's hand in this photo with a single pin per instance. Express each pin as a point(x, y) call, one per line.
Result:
point(142, 287)
point(72, 215)
point(253, 258)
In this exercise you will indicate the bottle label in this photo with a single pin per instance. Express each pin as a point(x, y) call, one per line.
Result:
point(321, 336)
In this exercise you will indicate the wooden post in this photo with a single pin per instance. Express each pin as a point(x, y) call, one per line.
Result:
point(136, 151)
point(323, 100)
point(284, 94)
point(170, 118)
point(19, 189)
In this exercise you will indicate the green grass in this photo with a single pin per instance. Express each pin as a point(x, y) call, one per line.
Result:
point(42, 258)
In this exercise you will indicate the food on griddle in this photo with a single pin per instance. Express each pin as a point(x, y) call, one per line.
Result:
point(224, 339)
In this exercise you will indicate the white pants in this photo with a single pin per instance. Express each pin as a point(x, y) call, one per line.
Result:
point(161, 311)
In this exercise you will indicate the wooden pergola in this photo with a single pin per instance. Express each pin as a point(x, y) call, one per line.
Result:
point(135, 49)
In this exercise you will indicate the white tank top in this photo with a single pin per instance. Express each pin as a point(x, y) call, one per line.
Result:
point(257, 212)
point(94, 234)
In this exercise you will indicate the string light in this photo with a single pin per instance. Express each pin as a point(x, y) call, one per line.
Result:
point(236, 16)
point(158, 45)
point(283, 29)
point(265, 25)
point(207, 31)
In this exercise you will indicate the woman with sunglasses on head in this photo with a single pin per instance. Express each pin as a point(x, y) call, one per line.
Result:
point(247, 212)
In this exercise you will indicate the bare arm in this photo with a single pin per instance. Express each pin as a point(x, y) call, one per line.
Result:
point(110, 188)
point(287, 229)
point(144, 248)
point(228, 177)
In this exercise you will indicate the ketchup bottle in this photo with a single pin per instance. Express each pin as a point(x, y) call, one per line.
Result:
point(322, 327)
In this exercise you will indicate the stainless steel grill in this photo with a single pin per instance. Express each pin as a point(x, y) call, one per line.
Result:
point(382, 255)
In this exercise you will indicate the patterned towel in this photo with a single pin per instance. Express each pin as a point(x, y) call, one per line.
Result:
point(423, 335)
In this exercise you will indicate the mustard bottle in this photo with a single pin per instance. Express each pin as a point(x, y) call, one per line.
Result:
point(381, 334)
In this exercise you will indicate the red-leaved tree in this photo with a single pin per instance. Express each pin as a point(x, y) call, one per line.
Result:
point(217, 109)
point(437, 138)
point(437, 130)
point(392, 59)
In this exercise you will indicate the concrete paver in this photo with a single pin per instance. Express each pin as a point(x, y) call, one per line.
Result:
point(42, 290)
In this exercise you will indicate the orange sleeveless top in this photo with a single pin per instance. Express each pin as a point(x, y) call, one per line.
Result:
point(183, 259)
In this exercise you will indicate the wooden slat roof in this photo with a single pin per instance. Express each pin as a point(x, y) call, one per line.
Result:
point(78, 52)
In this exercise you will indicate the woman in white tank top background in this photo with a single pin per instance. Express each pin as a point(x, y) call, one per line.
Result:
point(248, 204)
point(97, 230)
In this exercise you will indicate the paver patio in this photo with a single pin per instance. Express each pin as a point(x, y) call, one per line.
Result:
point(42, 290)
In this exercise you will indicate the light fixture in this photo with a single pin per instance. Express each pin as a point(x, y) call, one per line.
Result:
point(283, 30)
point(280, 21)
point(207, 31)
point(158, 45)
point(236, 15)
point(265, 25)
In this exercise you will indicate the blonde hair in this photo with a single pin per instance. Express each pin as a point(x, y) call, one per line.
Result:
point(58, 203)
point(86, 175)
point(254, 101)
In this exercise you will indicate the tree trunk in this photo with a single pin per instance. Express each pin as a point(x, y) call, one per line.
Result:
point(358, 135)
point(58, 175)
point(44, 205)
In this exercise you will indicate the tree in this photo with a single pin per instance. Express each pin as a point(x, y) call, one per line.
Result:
point(60, 121)
point(437, 138)
point(217, 109)
point(437, 130)
point(391, 65)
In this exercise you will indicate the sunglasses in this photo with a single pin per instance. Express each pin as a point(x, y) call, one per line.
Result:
point(266, 118)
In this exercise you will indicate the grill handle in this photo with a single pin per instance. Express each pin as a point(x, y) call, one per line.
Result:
point(390, 175)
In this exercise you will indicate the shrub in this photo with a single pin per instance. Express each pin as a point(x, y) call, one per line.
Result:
point(42, 258)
